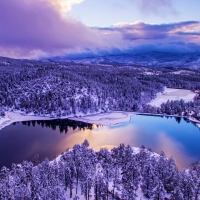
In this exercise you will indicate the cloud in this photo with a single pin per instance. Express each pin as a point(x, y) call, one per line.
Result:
point(38, 28)
point(64, 5)
point(141, 30)
point(174, 47)
point(33, 27)
point(138, 37)
point(156, 6)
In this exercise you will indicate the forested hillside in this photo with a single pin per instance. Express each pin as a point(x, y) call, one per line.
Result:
point(66, 88)
point(82, 173)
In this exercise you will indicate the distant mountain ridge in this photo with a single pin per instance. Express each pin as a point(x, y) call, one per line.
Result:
point(153, 59)
point(150, 59)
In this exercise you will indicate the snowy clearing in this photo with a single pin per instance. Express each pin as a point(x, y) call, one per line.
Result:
point(109, 118)
point(172, 94)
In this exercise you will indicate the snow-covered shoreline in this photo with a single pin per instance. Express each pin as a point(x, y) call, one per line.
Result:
point(11, 117)
point(109, 118)
point(106, 119)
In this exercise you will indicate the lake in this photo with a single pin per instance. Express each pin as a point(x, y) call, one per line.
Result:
point(177, 137)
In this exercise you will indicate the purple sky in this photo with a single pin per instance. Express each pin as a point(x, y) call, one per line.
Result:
point(39, 28)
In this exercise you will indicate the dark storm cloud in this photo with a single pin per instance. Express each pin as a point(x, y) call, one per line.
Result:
point(35, 25)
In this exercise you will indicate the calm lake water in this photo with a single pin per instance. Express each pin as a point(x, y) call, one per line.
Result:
point(175, 136)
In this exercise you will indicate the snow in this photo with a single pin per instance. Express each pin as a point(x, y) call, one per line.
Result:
point(148, 73)
point(81, 197)
point(198, 125)
point(192, 119)
point(11, 117)
point(109, 118)
point(182, 72)
point(136, 150)
point(172, 94)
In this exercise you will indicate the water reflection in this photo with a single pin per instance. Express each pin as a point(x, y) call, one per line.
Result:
point(175, 136)
point(62, 125)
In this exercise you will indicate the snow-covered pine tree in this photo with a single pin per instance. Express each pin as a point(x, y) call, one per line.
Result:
point(87, 174)
point(170, 177)
point(148, 181)
point(159, 192)
point(6, 190)
point(77, 159)
point(194, 171)
point(100, 184)
point(187, 185)
point(177, 194)
point(130, 174)
point(143, 157)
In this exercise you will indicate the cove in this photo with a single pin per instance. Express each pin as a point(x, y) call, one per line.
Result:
point(177, 137)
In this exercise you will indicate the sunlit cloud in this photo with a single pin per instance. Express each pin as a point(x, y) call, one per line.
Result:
point(64, 5)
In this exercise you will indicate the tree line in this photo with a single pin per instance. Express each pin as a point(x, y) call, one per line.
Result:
point(176, 107)
point(119, 173)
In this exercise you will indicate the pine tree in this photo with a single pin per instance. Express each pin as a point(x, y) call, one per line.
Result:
point(177, 194)
point(76, 197)
point(167, 172)
point(77, 159)
point(6, 189)
point(148, 179)
point(88, 167)
point(117, 184)
point(105, 159)
point(130, 175)
point(170, 174)
point(195, 174)
point(55, 190)
point(158, 193)
point(187, 185)
point(143, 157)
point(100, 184)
